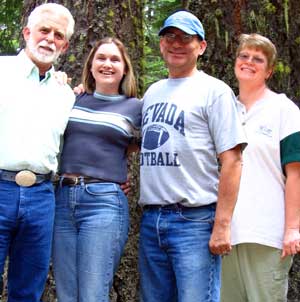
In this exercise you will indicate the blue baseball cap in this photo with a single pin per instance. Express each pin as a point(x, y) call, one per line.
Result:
point(186, 22)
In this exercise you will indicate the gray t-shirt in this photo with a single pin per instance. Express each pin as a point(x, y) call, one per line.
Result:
point(186, 123)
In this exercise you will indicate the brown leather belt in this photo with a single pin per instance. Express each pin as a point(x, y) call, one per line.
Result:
point(79, 180)
point(24, 178)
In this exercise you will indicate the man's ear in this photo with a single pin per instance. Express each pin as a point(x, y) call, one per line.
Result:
point(26, 33)
point(160, 44)
point(203, 45)
point(65, 47)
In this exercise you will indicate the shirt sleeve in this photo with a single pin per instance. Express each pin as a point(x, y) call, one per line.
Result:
point(225, 124)
point(289, 133)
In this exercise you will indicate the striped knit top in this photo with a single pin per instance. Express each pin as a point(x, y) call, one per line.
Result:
point(99, 130)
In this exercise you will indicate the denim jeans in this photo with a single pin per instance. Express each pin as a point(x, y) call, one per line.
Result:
point(90, 232)
point(26, 224)
point(175, 263)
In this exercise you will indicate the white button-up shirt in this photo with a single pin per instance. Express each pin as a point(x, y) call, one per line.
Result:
point(33, 115)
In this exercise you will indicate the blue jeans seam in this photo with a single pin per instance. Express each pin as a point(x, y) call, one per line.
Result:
point(157, 228)
point(211, 277)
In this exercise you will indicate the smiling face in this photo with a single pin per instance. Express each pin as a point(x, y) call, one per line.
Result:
point(251, 66)
point(46, 40)
point(179, 53)
point(108, 68)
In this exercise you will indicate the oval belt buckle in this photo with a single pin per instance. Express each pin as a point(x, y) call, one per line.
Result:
point(25, 178)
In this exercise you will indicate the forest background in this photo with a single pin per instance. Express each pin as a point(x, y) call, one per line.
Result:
point(136, 23)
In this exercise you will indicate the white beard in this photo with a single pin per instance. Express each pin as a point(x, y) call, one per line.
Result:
point(44, 57)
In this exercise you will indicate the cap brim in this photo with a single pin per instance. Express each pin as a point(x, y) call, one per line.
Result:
point(181, 27)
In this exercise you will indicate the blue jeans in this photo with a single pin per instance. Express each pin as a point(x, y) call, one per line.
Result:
point(90, 232)
point(26, 224)
point(175, 263)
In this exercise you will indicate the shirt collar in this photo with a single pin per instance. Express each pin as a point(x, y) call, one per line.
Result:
point(110, 98)
point(31, 70)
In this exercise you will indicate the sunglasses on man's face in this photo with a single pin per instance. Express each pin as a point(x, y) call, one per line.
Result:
point(183, 38)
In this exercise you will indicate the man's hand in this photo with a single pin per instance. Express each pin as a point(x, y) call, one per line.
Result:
point(291, 242)
point(62, 78)
point(219, 242)
point(79, 89)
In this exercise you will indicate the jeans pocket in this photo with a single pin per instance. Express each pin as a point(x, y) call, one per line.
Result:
point(280, 285)
point(49, 186)
point(279, 279)
point(204, 214)
point(101, 188)
point(105, 193)
point(62, 196)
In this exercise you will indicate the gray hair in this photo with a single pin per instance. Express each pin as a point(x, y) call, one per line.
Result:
point(36, 16)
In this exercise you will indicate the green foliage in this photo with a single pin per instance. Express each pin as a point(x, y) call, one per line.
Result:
point(297, 40)
point(282, 69)
point(71, 58)
point(269, 7)
point(10, 28)
point(286, 15)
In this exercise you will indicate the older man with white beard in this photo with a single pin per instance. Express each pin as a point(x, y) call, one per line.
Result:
point(34, 111)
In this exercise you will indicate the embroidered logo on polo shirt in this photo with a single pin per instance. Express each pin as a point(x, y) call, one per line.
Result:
point(265, 130)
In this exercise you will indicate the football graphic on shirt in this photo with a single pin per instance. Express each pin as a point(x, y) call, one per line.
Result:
point(154, 137)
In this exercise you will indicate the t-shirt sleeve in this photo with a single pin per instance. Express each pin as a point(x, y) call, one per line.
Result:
point(290, 149)
point(225, 124)
point(289, 134)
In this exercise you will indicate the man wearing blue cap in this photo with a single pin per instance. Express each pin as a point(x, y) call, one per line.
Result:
point(190, 124)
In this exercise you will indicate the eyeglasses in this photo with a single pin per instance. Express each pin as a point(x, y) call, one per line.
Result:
point(183, 38)
point(253, 59)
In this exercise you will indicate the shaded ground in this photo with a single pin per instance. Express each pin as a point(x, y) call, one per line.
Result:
point(294, 281)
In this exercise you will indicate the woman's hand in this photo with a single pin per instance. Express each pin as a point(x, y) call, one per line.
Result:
point(126, 187)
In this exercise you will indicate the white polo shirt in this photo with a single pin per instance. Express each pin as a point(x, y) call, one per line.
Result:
point(272, 127)
point(33, 115)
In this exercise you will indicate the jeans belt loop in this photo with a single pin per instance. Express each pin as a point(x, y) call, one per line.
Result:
point(60, 181)
point(81, 180)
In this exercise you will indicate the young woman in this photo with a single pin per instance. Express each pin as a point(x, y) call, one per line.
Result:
point(91, 224)
point(265, 224)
